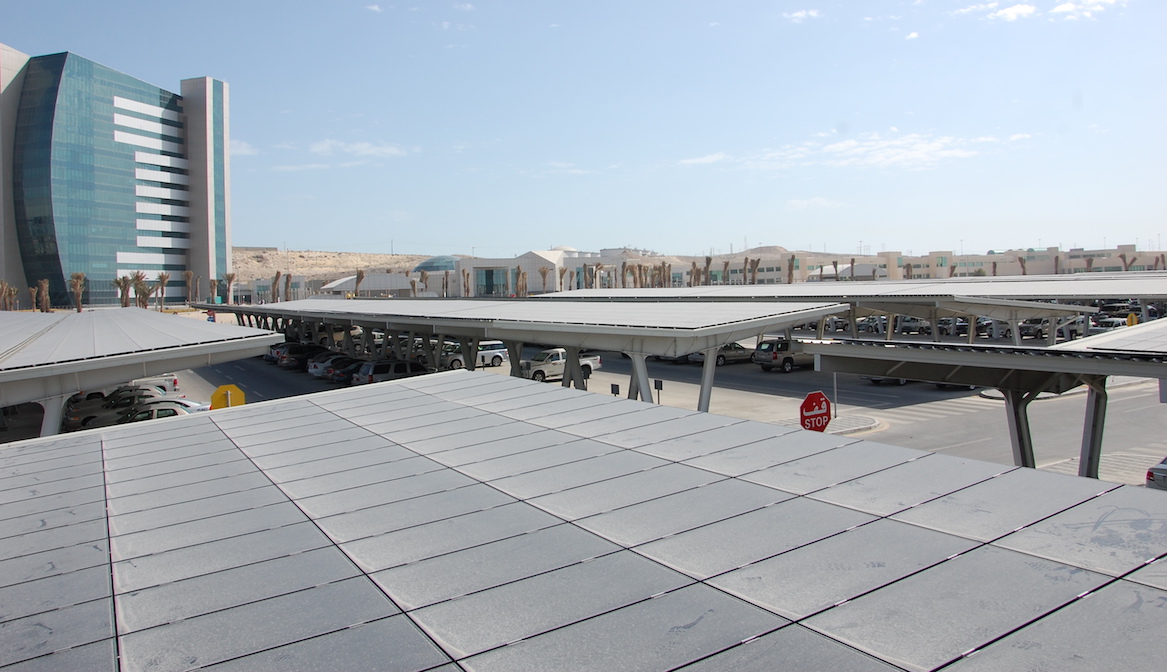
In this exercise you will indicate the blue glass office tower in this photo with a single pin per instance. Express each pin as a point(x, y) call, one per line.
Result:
point(107, 175)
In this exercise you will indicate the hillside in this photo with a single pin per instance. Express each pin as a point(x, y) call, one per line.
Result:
point(253, 263)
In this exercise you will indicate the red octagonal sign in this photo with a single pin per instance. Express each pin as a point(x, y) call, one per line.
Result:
point(815, 412)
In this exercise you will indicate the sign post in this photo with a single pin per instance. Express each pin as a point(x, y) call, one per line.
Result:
point(226, 396)
point(815, 412)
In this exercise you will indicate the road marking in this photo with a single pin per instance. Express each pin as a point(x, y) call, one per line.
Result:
point(966, 443)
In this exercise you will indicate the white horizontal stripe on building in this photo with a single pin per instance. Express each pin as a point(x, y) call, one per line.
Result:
point(145, 108)
point(152, 276)
point(163, 225)
point(158, 241)
point(150, 258)
point(159, 160)
point(143, 141)
point(162, 209)
point(159, 176)
point(162, 192)
point(147, 125)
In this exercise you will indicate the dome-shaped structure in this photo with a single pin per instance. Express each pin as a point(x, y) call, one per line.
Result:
point(437, 264)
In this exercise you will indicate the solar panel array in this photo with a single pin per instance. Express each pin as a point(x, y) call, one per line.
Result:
point(466, 521)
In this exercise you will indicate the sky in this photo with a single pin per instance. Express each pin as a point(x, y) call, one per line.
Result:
point(493, 128)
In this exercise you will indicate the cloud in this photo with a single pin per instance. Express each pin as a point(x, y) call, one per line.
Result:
point(802, 15)
point(909, 151)
point(464, 7)
point(912, 36)
point(374, 8)
point(1015, 12)
point(977, 8)
point(328, 147)
point(241, 148)
point(1084, 10)
point(814, 203)
point(711, 158)
point(1019, 136)
point(302, 166)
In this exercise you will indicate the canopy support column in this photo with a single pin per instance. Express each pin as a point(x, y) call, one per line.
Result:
point(1096, 400)
point(1017, 405)
point(515, 350)
point(572, 372)
point(54, 413)
point(638, 383)
point(707, 369)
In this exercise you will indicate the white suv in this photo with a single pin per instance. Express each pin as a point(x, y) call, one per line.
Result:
point(490, 353)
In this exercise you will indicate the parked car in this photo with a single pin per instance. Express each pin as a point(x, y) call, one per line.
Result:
point(322, 362)
point(1157, 476)
point(727, 354)
point(877, 380)
point(274, 352)
point(780, 353)
point(906, 324)
point(296, 356)
point(190, 405)
point(154, 411)
point(344, 374)
point(387, 369)
point(952, 326)
point(873, 324)
point(1104, 324)
point(115, 404)
point(490, 353)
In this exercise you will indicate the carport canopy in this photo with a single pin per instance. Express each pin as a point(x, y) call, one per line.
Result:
point(638, 330)
point(48, 357)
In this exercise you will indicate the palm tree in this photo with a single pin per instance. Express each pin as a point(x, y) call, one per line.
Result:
point(188, 277)
point(790, 271)
point(597, 278)
point(357, 284)
point(465, 282)
point(413, 287)
point(287, 287)
point(1089, 265)
point(120, 284)
point(1021, 260)
point(754, 263)
point(543, 271)
point(423, 276)
point(32, 295)
point(1126, 265)
point(77, 286)
point(229, 278)
point(835, 264)
point(705, 275)
point(852, 269)
point(43, 286)
point(141, 289)
point(4, 293)
point(562, 272)
point(907, 271)
point(163, 278)
point(214, 289)
point(725, 272)
point(694, 274)
point(995, 267)
point(275, 287)
point(446, 284)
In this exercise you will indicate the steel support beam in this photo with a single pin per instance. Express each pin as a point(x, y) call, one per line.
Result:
point(572, 372)
point(54, 413)
point(1017, 408)
point(515, 350)
point(707, 371)
point(638, 383)
point(1096, 400)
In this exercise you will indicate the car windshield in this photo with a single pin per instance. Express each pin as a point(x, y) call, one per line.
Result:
point(541, 357)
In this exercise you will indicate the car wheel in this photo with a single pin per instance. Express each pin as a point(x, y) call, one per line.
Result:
point(876, 381)
point(720, 360)
point(496, 361)
point(787, 365)
point(538, 376)
point(587, 371)
point(455, 363)
point(901, 381)
point(767, 368)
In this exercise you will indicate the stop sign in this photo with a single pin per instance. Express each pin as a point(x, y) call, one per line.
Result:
point(815, 412)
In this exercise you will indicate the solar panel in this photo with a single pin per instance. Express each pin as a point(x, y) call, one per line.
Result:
point(412, 525)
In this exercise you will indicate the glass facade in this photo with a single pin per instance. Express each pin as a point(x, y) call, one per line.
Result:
point(101, 179)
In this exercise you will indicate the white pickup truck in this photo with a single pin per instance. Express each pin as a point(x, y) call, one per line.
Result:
point(551, 364)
